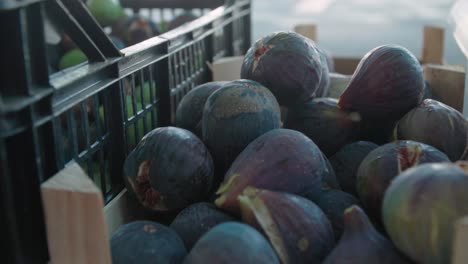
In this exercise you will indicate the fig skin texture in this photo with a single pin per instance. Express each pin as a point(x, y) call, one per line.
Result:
point(146, 242)
point(297, 228)
point(324, 85)
point(421, 207)
point(232, 243)
point(448, 128)
point(361, 243)
point(197, 219)
point(346, 163)
point(287, 63)
point(280, 160)
point(190, 109)
point(234, 116)
point(169, 169)
point(387, 83)
point(333, 203)
point(386, 162)
point(321, 120)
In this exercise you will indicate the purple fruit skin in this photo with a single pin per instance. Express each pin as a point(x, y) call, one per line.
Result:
point(299, 168)
point(299, 219)
point(287, 63)
point(197, 219)
point(386, 162)
point(321, 120)
point(346, 163)
point(361, 243)
point(387, 83)
point(232, 242)
point(448, 128)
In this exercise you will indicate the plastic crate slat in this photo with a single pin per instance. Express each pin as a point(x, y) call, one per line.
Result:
point(80, 11)
point(61, 17)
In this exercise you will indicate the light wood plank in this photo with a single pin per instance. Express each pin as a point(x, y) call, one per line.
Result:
point(433, 45)
point(460, 252)
point(307, 30)
point(447, 83)
point(75, 222)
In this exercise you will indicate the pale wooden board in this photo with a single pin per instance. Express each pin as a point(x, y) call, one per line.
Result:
point(460, 246)
point(447, 83)
point(433, 45)
point(74, 216)
point(307, 30)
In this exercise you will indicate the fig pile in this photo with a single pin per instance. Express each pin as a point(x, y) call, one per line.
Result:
point(373, 176)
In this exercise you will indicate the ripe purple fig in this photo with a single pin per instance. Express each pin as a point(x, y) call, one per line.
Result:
point(448, 128)
point(296, 227)
point(387, 83)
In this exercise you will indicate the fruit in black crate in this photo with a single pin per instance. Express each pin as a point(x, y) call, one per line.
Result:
point(386, 162)
point(197, 219)
point(346, 163)
point(234, 116)
point(296, 227)
point(72, 58)
point(322, 121)
point(169, 169)
point(181, 19)
point(361, 243)
point(280, 160)
point(421, 207)
point(146, 242)
point(232, 243)
point(436, 124)
point(333, 203)
point(134, 29)
point(387, 83)
point(190, 109)
point(288, 64)
point(106, 12)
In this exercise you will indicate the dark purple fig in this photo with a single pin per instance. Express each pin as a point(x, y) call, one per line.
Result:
point(190, 109)
point(387, 83)
point(361, 243)
point(421, 207)
point(146, 242)
point(324, 85)
point(280, 160)
point(438, 125)
point(346, 162)
point(234, 116)
point(378, 131)
point(298, 230)
point(232, 243)
point(197, 219)
point(333, 203)
point(169, 169)
point(287, 63)
point(386, 162)
point(322, 121)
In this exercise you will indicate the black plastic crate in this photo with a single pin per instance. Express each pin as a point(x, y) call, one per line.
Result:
point(93, 113)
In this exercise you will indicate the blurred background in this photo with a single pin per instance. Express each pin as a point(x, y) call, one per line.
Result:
point(353, 27)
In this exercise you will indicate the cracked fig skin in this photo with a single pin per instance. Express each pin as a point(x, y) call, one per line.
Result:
point(169, 169)
point(386, 162)
point(297, 228)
